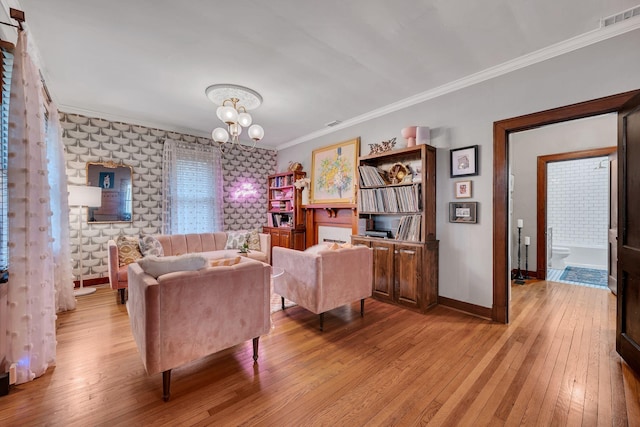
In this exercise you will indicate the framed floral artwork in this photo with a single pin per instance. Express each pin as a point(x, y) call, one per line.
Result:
point(333, 172)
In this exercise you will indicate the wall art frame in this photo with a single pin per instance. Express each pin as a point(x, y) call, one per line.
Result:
point(333, 172)
point(462, 189)
point(463, 212)
point(463, 161)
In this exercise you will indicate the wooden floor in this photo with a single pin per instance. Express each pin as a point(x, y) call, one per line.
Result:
point(555, 364)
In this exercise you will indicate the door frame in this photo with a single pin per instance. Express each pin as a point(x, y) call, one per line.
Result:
point(541, 226)
point(501, 131)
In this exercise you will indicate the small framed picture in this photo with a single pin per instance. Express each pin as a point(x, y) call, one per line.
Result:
point(464, 161)
point(107, 180)
point(463, 212)
point(463, 189)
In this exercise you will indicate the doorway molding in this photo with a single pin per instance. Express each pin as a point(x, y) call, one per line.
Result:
point(541, 198)
point(501, 131)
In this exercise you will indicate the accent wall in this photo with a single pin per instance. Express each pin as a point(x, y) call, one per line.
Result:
point(89, 139)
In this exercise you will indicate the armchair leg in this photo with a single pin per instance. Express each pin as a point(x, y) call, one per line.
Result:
point(121, 291)
point(166, 383)
point(255, 349)
point(322, 321)
point(282, 298)
point(362, 307)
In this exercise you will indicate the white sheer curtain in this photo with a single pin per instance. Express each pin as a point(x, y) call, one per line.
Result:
point(31, 338)
point(63, 276)
point(192, 188)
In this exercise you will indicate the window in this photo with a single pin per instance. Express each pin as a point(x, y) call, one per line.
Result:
point(192, 181)
point(195, 197)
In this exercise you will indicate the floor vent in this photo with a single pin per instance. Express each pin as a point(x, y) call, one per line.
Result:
point(619, 17)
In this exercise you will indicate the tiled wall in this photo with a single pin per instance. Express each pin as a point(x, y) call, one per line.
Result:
point(578, 201)
point(95, 140)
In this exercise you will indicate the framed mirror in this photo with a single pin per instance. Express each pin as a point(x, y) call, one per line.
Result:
point(115, 180)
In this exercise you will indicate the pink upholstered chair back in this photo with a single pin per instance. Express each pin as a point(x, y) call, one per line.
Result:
point(180, 244)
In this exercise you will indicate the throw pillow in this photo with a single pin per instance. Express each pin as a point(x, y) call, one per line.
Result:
point(347, 245)
point(149, 245)
point(317, 248)
point(128, 250)
point(224, 261)
point(235, 239)
point(254, 240)
point(157, 266)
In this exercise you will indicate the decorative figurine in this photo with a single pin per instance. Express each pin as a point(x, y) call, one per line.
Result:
point(382, 147)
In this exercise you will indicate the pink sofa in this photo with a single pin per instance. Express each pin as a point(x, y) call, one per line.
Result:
point(186, 315)
point(211, 244)
point(324, 280)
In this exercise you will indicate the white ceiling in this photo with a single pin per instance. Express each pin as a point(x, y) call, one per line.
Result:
point(149, 62)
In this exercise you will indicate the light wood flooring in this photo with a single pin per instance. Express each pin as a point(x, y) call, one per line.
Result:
point(555, 364)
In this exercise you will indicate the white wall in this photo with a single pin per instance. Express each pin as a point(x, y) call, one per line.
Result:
point(525, 147)
point(578, 202)
point(465, 118)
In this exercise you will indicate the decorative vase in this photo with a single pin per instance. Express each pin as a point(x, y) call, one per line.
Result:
point(422, 135)
point(409, 134)
point(305, 196)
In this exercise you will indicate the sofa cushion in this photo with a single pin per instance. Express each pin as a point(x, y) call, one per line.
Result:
point(157, 266)
point(254, 240)
point(230, 253)
point(322, 247)
point(224, 261)
point(236, 239)
point(128, 250)
point(149, 245)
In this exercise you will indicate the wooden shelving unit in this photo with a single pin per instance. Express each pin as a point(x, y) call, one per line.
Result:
point(406, 260)
point(285, 216)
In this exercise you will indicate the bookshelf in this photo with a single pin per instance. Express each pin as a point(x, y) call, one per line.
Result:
point(396, 218)
point(285, 221)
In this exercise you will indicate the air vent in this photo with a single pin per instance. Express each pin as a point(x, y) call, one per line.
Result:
point(333, 123)
point(619, 17)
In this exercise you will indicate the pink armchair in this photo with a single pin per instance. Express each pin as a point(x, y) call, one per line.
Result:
point(325, 280)
point(186, 315)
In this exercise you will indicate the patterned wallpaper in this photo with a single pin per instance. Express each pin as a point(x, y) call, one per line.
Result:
point(89, 139)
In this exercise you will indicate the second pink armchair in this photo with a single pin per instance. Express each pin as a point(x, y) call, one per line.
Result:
point(322, 281)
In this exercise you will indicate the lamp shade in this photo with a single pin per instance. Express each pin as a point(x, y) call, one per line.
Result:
point(82, 195)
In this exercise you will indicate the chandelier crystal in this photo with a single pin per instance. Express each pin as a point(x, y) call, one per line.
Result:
point(234, 102)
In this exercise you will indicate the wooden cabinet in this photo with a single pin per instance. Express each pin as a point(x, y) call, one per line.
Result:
point(404, 273)
point(285, 217)
point(286, 237)
point(405, 262)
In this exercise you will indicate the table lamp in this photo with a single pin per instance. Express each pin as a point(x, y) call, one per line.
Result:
point(83, 196)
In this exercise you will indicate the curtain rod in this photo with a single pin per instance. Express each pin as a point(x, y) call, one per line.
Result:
point(18, 15)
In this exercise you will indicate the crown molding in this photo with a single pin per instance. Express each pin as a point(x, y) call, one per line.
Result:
point(67, 109)
point(128, 120)
point(558, 49)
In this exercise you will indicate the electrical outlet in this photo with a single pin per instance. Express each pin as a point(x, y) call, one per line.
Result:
point(13, 375)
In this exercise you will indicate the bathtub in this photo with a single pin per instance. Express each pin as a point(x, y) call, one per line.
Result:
point(586, 256)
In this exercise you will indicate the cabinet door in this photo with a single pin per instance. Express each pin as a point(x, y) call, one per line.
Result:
point(382, 270)
point(275, 237)
point(285, 238)
point(408, 275)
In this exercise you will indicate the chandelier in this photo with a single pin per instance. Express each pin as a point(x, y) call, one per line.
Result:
point(233, 103)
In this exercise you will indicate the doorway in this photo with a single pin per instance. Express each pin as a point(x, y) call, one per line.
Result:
point(574, 218)
point(502, 129)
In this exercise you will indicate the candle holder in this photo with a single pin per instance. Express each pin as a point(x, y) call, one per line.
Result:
point(526, 260)
point(519, 277)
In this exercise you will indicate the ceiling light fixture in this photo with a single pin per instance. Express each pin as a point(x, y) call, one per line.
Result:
point(233, 103)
